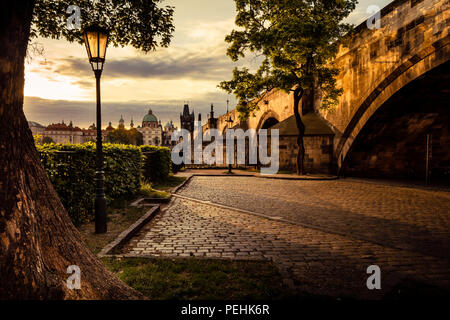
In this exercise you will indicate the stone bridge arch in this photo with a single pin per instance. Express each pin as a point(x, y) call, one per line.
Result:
point(412, 122)
point(268, 119)
point(422, 62)
point(412, 41)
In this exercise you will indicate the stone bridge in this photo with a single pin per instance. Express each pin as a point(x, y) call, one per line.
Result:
point(396, 92)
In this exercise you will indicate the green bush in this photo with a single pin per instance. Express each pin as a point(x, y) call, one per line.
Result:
point(71, 169)
point(157, 163)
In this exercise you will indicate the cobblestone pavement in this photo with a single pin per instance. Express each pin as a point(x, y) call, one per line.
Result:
point(400, 217)
point(339, 228)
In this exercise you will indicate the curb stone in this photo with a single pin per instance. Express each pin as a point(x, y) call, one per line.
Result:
point(126, 235)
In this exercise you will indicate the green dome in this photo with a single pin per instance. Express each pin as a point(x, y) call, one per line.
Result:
point(150, 117)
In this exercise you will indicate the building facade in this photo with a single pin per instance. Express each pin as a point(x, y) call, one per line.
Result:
point(63, 133)
point(151, 130)
point(169, 129)
point(36, 128)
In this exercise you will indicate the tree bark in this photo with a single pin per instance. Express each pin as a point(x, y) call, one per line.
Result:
point(37, 239)
point(298, 94)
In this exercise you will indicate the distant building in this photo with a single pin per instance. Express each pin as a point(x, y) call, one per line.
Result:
point(212, 122)
point(187, 119)
point(151, 129)
point(121, 122)
point(90, 134)
point(169, 128)
point(63, 133)
point(36, 128)
point(109, 128)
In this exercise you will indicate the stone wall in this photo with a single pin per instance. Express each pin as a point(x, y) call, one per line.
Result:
point(413, 39)
point(403, 155)
point(394, 141)
point(318, 153)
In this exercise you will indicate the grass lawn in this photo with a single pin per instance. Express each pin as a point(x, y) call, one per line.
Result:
point(168, 185)
point(148, 192)
point(197, 279)
point(119, 219)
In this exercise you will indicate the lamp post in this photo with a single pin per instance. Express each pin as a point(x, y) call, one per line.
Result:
point(96, 41)
point(229, 122)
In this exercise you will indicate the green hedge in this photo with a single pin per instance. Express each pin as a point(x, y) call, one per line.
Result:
point(157, 163)
point(71, 169)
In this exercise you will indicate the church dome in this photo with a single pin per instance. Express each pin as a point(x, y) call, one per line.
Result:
point(150, 117)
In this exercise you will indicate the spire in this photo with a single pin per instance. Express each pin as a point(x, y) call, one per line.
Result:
point(186, 110)
point(211, 115)
point(132, 123)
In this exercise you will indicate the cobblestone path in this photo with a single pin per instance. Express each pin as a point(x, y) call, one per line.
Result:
point(329, 233)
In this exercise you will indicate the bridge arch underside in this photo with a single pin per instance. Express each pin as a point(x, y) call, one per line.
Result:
point(393, 142)
point(269, 122)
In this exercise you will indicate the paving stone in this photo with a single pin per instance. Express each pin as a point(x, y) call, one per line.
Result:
point(339, 228)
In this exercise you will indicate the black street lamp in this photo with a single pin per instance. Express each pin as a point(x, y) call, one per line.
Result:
point(229, 122)
point(96, 40)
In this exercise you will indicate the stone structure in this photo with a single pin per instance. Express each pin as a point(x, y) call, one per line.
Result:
point(318, 142)
point(121, 123)
point(187, 119)
point(63, 133)
point(409, 50)
point(212, 121)
point(151, 129)
point(36, 128)
point(169, 129)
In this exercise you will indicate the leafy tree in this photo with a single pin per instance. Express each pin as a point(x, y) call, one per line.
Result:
point(118, 135)
point(124, 136)
point(47, 140)
point(37, 139)
point(38, 240)
point(297, 40)
point(135, 137)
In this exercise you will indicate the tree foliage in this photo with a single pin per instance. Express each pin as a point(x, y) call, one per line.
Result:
point(143, 24)
point(297, 39)
point(47, 140)
point(124, 136)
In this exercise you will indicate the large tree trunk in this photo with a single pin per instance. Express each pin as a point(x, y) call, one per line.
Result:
point(298, 94)
point(37, 239)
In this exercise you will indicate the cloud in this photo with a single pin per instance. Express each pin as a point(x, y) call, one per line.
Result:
point(212, 65)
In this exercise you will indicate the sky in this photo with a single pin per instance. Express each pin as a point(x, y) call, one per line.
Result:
point(60, 85)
